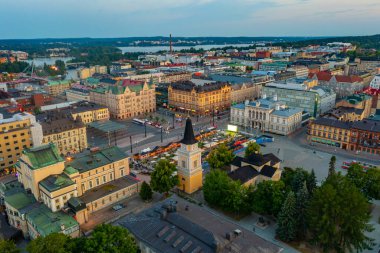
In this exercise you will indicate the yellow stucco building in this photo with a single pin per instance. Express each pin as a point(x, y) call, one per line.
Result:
point(126, 99)
point(56, 88)
point(68, 134)
point(190, 174)
point(17, 133)
point(199, 99)
point(90, 182)
point(86, 112)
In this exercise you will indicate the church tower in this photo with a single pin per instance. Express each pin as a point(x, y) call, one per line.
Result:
point(189, 162)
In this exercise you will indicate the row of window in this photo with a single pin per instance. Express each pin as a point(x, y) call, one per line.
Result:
point(12, 127)
point(115, 197)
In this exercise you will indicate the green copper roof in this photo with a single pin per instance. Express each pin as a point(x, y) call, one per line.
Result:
point(107, 126)
point(52, 83)
point(97, 159)
point(278, 63)
point(99, 90)
point(70, 170)
point(46, 222)
point(43, 156)
point(116, 90)
point(19, 200)
point(56, 182)
point(92, 80)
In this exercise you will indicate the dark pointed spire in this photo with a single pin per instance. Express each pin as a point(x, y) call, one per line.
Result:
point(188, 137)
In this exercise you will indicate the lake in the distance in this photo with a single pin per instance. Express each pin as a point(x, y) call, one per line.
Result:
point(155, 49)
point(48, 60)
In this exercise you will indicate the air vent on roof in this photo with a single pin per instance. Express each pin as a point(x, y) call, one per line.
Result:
point(186, 246)
point(197, 250)
point(170, 236)
point(162, 231)
point(89, 162)
point(178, 241)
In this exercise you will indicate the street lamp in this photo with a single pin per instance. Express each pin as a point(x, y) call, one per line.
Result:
point(130, 141)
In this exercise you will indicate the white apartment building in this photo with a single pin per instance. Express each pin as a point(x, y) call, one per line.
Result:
point(267, 114)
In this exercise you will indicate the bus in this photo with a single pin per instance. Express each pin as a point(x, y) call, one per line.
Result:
point(138, 121)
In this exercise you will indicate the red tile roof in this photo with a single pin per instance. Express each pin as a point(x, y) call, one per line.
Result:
point(371, 91)
point(325, 76)
point(348, 79)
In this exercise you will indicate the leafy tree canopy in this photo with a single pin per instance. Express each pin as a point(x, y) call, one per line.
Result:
point(7, 246)
point(145, 191)
point(367, 181)
point(268, 197)
point(338, 216)
point(220, 157)
point(252, 148)
point(53, 243)
point(163, 178)
point(221, 191)
point(110, 239)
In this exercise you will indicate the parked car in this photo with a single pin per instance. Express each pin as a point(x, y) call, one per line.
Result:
point(118, 207)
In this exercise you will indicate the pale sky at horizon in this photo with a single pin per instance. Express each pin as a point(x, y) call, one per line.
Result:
point(128, 18)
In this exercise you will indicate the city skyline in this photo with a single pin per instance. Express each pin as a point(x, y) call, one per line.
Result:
point(115, 18)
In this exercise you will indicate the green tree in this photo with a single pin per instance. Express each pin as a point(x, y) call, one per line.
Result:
point(311, 182)
point(13, 67)
point(338, 216)
point(215, 187)
point(302, 201)
point(145, 191)
point(294, 179)
point(61, 67)
point(220, 157)
point(252, 148)
point(268, 197)
point(37, 110)
point(368, 182)
point(237, 198)
point(7, 246)
point(287, 219)
point(163, 178)
point(201, 144)
point(110, 239)
point(53, 243)
point(298, 180)
point(332, 165)
point(221, 191)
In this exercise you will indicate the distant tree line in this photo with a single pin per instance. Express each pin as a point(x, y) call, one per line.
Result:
point(14, 67)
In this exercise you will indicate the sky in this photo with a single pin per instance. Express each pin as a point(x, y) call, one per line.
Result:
point(128, 18)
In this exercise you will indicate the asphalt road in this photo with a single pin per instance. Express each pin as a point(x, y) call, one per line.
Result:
point(139, 141)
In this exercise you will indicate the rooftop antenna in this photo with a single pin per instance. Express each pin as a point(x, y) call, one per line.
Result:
point(171, 47)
